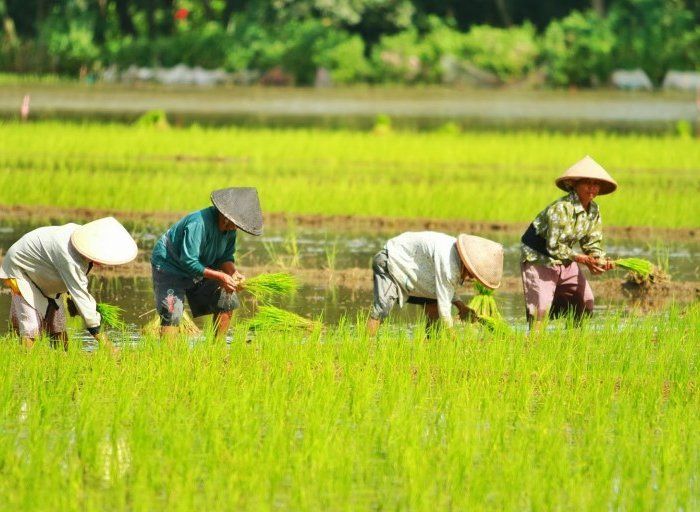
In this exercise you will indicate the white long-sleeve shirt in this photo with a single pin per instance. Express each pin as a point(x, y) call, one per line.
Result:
point(45, 264)
point(426, 264)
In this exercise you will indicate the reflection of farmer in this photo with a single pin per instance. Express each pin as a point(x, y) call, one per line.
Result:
point(426, 268)
point(57, 259)
point(552, 279)
point(195, 259)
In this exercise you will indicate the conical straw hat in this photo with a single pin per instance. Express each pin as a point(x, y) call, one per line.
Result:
point(241, 206)
point(587, 168)
point(483, 258)
point(104, 241)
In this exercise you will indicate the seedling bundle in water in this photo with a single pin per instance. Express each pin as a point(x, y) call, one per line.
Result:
point(267, 286)
point(272, 318)
point(111, 315)
point(186, 327)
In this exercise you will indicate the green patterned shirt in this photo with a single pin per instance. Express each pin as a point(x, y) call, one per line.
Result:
point(562, 224)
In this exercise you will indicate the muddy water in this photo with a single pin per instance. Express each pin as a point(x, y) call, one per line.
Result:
point(319, 248)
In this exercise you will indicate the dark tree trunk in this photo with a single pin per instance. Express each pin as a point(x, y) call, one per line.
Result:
point(503, 12)
point(599, 7)
point(167, 24)
point(100, 22)
point(126, 24)
point(229, 7)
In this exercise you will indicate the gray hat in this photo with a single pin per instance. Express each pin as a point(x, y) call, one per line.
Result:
point(241, 206)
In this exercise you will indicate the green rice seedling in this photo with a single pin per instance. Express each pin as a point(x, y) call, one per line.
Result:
point(273, 318)
point(111, 315)
point(267, 286)
point(187, 326)
point(483, 303)
point(639, 266)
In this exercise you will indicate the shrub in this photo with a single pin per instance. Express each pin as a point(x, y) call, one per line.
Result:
point(578, 49)
point(655, 36)
point(509, 53)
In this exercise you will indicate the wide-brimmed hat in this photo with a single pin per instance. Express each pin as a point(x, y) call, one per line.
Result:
point(483, 258)
point(589, 169)
point(241, 206)
point(104, 241)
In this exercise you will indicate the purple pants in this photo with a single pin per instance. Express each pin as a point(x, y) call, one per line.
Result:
point(558, 290)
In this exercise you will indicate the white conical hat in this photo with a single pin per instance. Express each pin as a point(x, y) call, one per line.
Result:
point(483, 258)
point(104, 241)
point(587, 168)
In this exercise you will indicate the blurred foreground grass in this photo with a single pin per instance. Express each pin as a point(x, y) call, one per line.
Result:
point(590, 419)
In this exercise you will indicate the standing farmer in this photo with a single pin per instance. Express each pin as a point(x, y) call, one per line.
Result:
point(426, 268)
point(195, 259)
point(52, 260)
point(552, 280)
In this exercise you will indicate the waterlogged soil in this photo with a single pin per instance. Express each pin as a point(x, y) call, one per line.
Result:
point(331, 256)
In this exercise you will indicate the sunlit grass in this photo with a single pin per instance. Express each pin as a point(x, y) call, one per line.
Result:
point(591, 419)
point(472, 176)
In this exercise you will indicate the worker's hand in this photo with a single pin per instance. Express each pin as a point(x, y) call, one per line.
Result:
point(593, 264)
point(608, 264)
point(239, 279)
point(228, 283)
point(467, 315)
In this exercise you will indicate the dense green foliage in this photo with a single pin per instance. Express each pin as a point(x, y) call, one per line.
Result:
point(475, 176)
point(589, 419)
point(574, 41)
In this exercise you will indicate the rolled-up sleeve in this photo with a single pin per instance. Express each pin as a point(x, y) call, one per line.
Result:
point(559, 219)
point(76, 282)
point(190, 249)
point(444, 291)
point(592, 242)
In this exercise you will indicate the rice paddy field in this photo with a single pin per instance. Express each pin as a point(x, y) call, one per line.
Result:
point(604, 416)
point(472, 176)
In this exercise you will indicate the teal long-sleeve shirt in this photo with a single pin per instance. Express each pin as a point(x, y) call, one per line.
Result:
point(194, 243)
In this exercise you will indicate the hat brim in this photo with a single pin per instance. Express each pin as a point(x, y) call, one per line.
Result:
point(568, 183)
point(466, 244)
point(222, 201)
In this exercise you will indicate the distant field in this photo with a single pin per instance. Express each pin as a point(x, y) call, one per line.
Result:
point(473, 176)
point(587, 419)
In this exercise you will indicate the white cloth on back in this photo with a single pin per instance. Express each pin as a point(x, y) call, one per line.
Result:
point(45, 264)
point(426, 264)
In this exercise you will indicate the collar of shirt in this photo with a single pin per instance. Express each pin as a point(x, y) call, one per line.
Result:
point(578, 207)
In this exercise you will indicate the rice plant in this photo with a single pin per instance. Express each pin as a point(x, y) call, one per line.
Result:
point(640, 266)
point(265, 287)
point(111, 315)
point(187, 326)
point(273, 318)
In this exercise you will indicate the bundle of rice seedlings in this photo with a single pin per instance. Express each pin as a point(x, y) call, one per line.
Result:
point(187, 326)
point(641, 267)
point(272, 318)
point(483, 304)
point(265, 286)
point(111, 315)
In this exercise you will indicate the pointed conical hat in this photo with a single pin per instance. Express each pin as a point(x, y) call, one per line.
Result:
point(104, 241)
point(587, 168)
point(241, 206)
point(483, 258)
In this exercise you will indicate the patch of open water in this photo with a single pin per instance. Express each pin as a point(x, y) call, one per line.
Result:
point(319, 248)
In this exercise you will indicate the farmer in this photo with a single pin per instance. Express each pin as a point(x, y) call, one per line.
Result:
point(195, 259)
point(426, 268)
point(52, 260)
point(552, 280)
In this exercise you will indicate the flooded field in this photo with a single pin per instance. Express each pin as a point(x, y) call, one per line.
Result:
point(334, 268)
point(357, 108)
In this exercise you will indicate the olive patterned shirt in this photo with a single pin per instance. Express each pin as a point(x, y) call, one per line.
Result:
point(562, 224)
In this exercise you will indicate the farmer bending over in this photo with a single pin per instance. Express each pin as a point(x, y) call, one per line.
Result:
point(426, 268)
point(52, 260)
point(195, 259)
point(552, 280)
